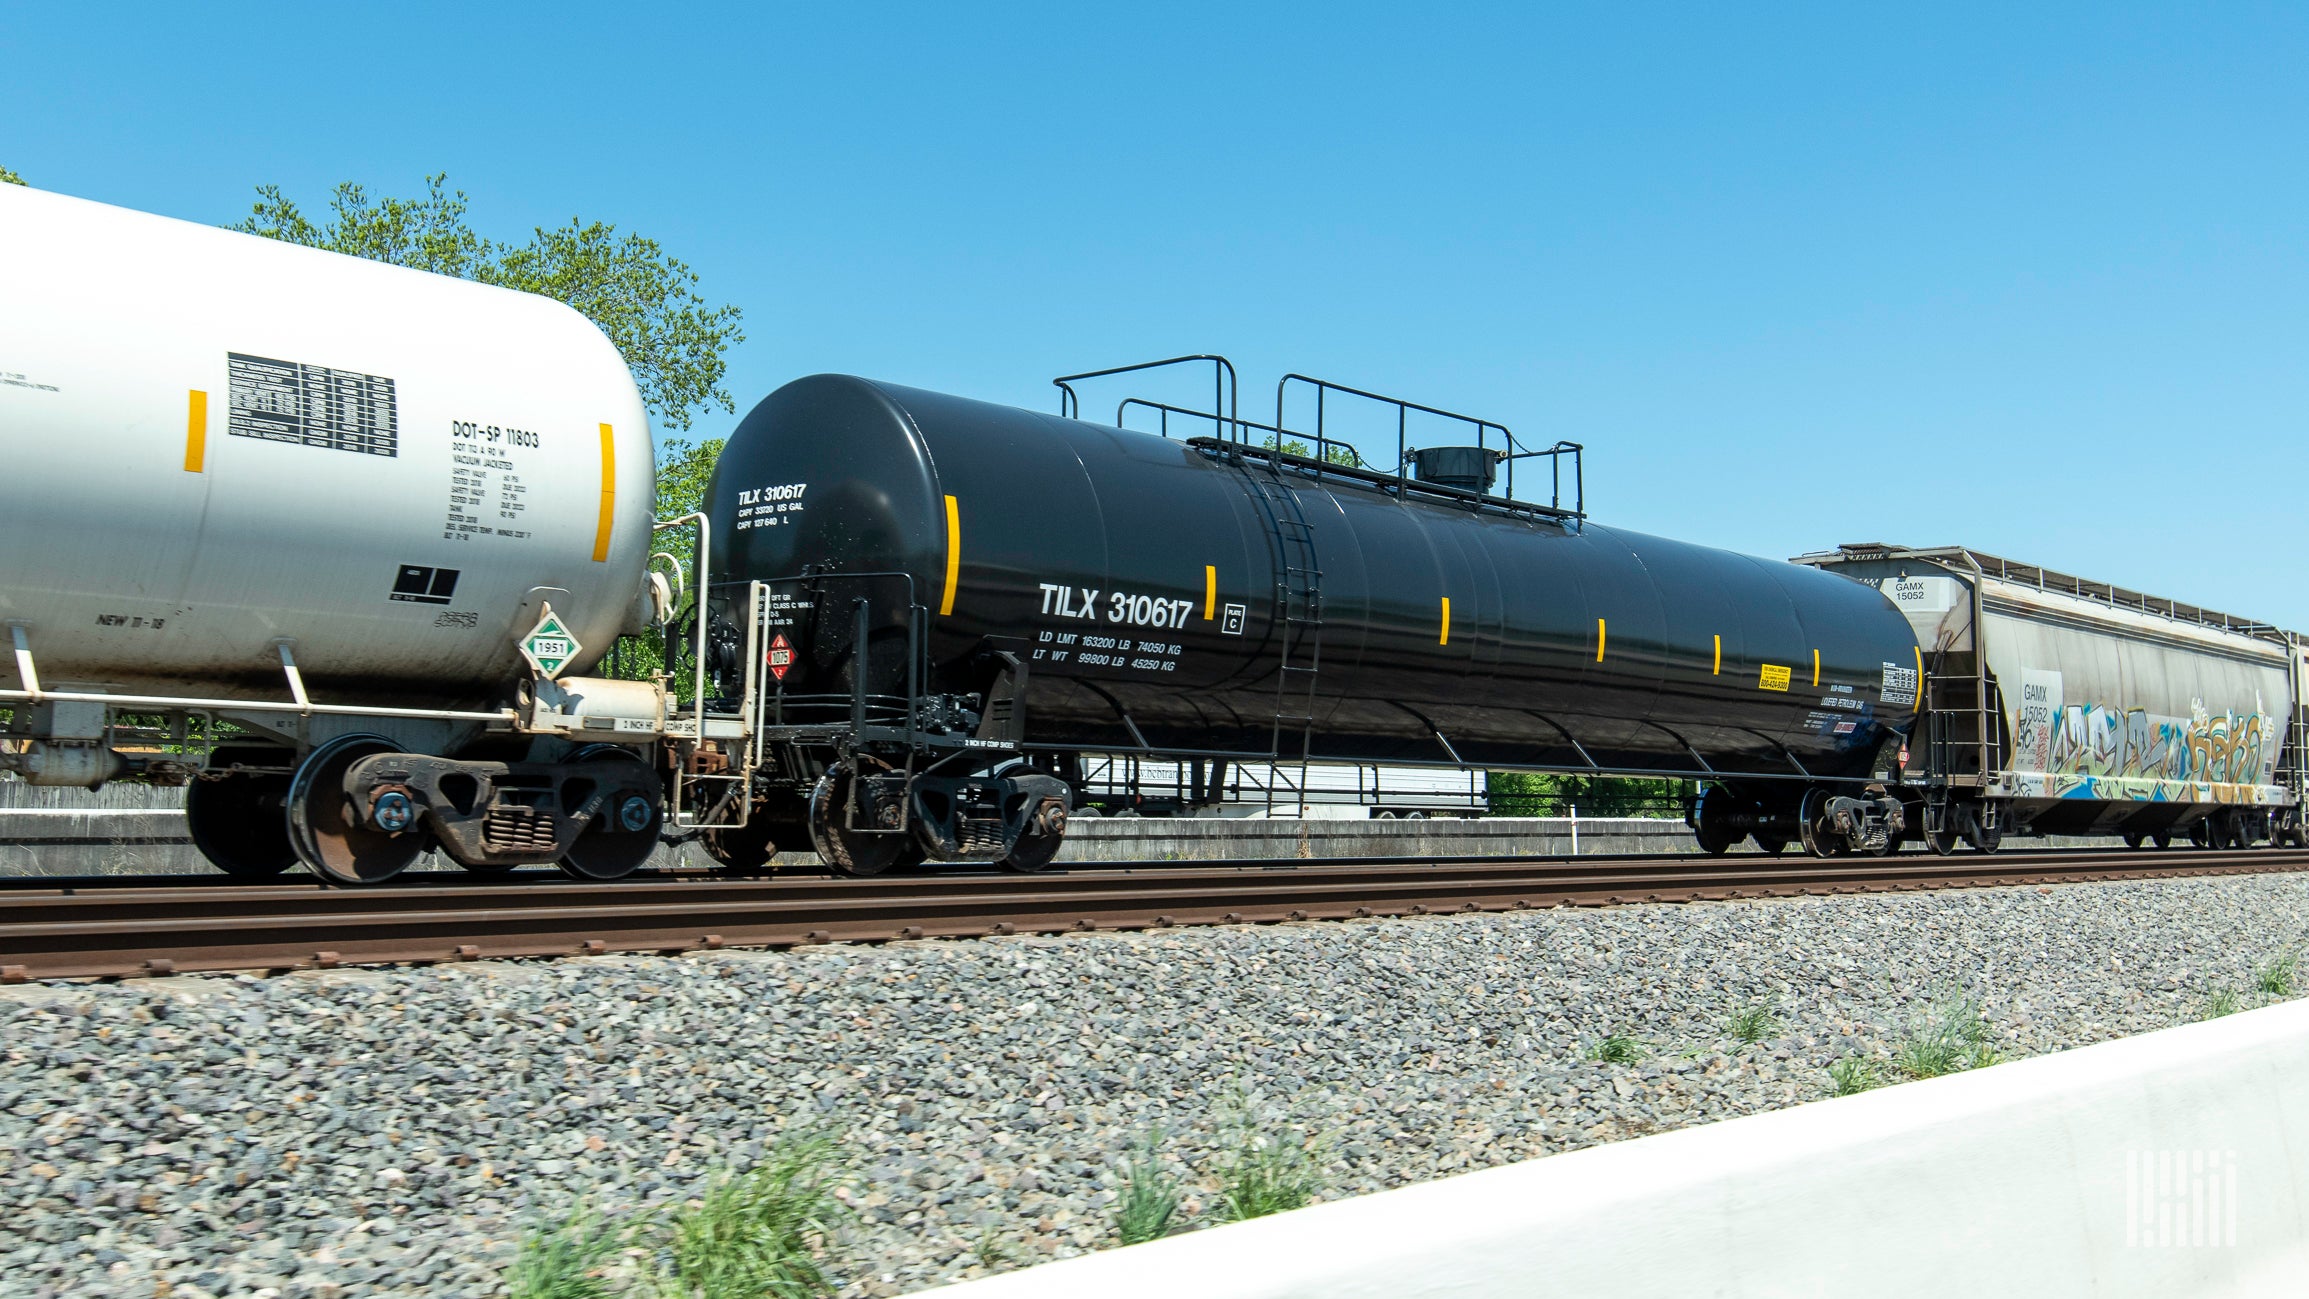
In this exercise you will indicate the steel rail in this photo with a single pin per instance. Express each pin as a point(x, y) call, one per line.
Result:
point(68, 932)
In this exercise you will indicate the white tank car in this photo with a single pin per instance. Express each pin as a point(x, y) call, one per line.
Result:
point(213, 441)
point(302, 508)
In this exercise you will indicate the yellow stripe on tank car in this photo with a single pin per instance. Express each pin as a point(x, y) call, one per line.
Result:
point(196, 431)
point(1445, 638)
point(1210, 591)
point(608, 495)
point(1599, 635)
point(1919, 681)
point(1718, 670)
point(1815, 669)
point(953, 555)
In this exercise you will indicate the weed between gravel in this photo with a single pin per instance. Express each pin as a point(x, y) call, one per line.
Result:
point(1752, 1024)
point(1150, 1199)
point(2224, 1001)
point(749, 1235)
point(1949, 1036)
point(1614, 1048)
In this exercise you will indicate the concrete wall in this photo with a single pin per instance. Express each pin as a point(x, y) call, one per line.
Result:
point(2048, 1178)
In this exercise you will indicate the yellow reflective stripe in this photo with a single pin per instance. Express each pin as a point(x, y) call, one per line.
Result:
point(608, 494)
point(1719, 668)
point(1815, 667)
point(1599, 632)
point(196, 432)
point(1919, 681)
point(1210, 591)
point(953, 555)
point(1445, 638)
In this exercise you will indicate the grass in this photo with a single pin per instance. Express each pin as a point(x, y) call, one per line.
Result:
point(753, 1235)
point(1950, 1036)
point(2274, 977)
point(1265, 1170)
point(1751, 1024)
point(2223, 1002)
point(565, 1260)
point(1614, 1048)
point(748, 1235)
point(1855, 1074)
point(1150, 1200)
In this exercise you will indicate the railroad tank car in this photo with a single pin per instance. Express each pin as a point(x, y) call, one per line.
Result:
point(216, 440)
point(2059, 705)
point(315, 496)
point(1031, 585)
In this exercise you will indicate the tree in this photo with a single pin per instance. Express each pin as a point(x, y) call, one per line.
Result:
point(1530, 793)
point(8, 177)
point(1336, 453)
point(683, 471)
point(645, 300)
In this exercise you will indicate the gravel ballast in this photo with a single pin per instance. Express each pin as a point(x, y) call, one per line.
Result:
point(391, 1132)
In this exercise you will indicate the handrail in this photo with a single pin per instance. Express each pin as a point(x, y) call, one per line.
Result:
point(1225, 389)
point(1513, 450)
point(1222, 423)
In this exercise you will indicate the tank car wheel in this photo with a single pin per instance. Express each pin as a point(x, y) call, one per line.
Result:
point(747, 847)
point(240, 822)
point(846, 851)
point(326, 829)
point(621, 837)
point(1038, 846)
point(2134, 841)
point(1982, 838)
point(1812, 824)
point(1771, 847)
point(2162, 839)
point(2201, 834)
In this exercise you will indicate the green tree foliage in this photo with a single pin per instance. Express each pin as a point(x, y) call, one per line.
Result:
point(8, 177)
point(1338, 453)
point(1527, 793)
point(683, 471)
point(645, 300)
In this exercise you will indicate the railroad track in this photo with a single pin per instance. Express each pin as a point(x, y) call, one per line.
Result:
point(64, 930)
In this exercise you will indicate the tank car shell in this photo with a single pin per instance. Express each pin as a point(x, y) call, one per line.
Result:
point(1138, 576)
point(214, 441)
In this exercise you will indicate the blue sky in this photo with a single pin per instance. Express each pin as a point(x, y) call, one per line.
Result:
point(2031, 279)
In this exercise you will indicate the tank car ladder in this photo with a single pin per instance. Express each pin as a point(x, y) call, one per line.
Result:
point(1298, 620)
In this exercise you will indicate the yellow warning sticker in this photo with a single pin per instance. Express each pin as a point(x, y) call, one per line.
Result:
point(1774, 677)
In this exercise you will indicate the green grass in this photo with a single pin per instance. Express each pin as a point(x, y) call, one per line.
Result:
point(2224, 1001)
point(1614, 1048)
point(749, 1235)
point(1855, 1074)
point(2274, 977)
point(1149, 1206)
point(754, 1235)
point(1265, 1169)
point(1950, 1036)
point(1751, 1024)
point(565, 1260)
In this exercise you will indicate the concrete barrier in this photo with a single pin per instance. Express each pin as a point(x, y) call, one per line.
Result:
point(2172, 1163)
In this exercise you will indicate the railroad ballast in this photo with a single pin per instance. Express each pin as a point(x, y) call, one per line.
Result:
point(373, 527)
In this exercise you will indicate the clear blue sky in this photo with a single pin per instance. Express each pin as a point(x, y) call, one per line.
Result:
point(2029, 278)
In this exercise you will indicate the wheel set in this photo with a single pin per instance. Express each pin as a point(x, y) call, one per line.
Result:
point(256, 821)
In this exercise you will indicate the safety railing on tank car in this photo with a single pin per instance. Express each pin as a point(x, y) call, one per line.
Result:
point(1511, 447)
point(1229, 426)
point(1235, 436)
point(1225, 390)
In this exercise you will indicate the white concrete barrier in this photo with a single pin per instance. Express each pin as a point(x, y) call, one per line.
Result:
point(2172, 1163)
